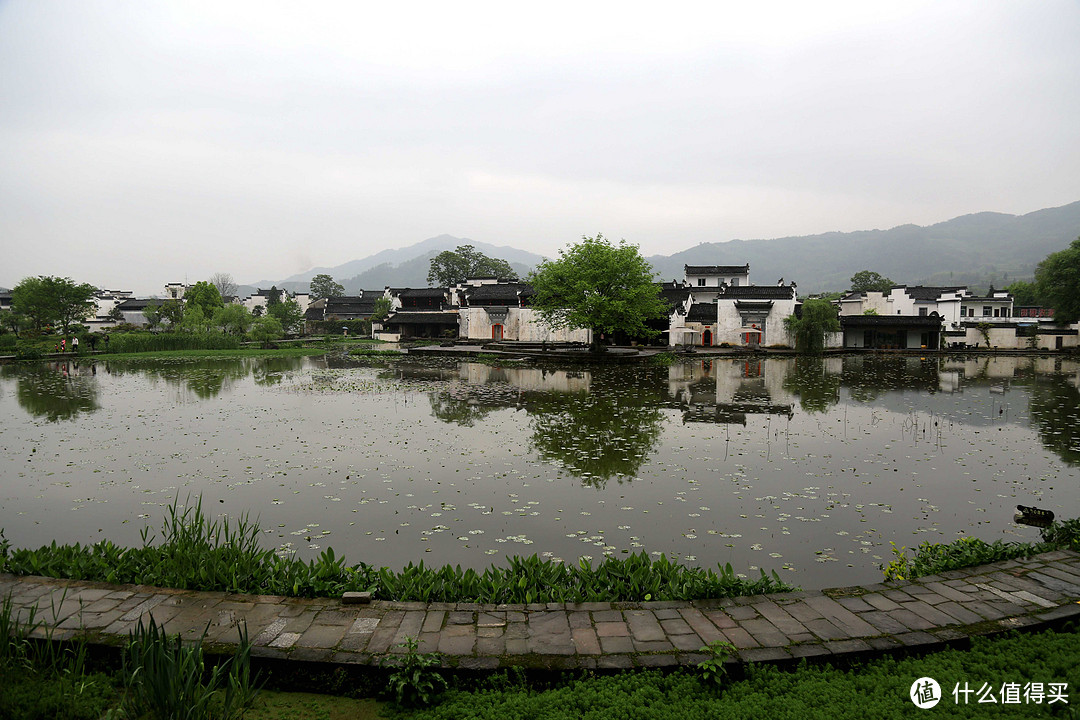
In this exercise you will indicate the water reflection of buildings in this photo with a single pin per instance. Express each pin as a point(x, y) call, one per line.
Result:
point(1001, 371)
point(722, 391)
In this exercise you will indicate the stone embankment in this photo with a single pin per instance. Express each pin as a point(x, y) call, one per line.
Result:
point(923, 613)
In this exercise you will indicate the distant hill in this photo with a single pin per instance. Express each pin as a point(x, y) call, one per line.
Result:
point(976, 250)
point(399, 267)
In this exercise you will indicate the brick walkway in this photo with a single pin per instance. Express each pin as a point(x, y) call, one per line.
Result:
point(926, 612)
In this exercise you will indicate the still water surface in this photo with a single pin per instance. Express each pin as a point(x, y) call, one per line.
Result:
point(809, 467)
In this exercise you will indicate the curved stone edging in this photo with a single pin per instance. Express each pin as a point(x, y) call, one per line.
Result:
point(926, 612)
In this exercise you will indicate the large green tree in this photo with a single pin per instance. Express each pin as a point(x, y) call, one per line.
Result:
point(1058, 281)
point(456, 266)
point(288, 314)
point(323, 286)
point(233, 318)
point(1024, 293)
point(266, 330)
point(818, 317)
point(172, 312)
point(204, 296)
point(48, 300)
point(868, 280)
point(596, 285)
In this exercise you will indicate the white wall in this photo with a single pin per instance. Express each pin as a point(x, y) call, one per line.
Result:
point(520, 324)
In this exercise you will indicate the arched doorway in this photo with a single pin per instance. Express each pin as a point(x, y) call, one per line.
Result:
point(497, 332)
point(706, 338)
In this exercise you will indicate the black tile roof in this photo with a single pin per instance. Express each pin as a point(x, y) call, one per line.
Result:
point(423, 292)
point(702, 313)
point(916, 321)
point(759, 292)
point(431, 317)
point(134, 304)
point(502, 291)
point(349, 305)
point(717, 269)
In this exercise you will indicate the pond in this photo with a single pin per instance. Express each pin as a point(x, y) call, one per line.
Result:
point(809, 467)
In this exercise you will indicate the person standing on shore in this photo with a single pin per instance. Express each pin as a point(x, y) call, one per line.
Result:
point(63, 345)
point(75, 344)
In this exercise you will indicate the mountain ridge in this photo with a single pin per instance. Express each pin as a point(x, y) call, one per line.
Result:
point(974, 249)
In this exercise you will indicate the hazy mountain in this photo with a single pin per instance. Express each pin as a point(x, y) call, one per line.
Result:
point(398, 267)
point(976, 250)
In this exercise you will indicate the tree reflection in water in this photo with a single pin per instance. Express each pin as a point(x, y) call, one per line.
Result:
point(57, 390)
point(817, 389)
point(1055, 413)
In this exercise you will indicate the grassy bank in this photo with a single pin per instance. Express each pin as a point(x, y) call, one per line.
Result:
point(876, 689)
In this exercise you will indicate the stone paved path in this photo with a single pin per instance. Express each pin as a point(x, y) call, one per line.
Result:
point(925, 612)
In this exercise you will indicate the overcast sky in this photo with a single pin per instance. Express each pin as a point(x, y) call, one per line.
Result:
point(148, 142)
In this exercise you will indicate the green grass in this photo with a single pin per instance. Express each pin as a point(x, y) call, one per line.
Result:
point(876, 689)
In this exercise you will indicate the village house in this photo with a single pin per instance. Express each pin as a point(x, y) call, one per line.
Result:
point(495, 311)
point(725, 308)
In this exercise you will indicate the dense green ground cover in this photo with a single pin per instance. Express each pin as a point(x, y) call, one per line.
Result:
point(876, 689)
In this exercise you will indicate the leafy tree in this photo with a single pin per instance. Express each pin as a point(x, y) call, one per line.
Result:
point(195, 320)
point(381, 310)
point(1024, 293)
point(172, 312)
point(818, 318)
point(152, 313)
point(870, 281)
point(48, 300)
point(233, 318)
point(1058, 281)
point(225, 284)
point(115, 313)
point(257, 311)
point(288, 313)
point(204, 296)
point(11, 321)
point(273, 297)
point(599, 286)
point(456, 266)
point(323, 286)
point(266, 330)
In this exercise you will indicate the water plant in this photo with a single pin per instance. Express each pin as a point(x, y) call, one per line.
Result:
point(169, 679)
point(930, 558)
point(415, 680)
point(713, 669)
point(199, 553)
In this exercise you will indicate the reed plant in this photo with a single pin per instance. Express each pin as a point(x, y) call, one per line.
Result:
point(167, 678)
point(140, 342)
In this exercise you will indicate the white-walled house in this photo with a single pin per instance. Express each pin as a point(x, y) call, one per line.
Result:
point(740, 315)
point(494, 311)
point(708, 281)
point(755, 315)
